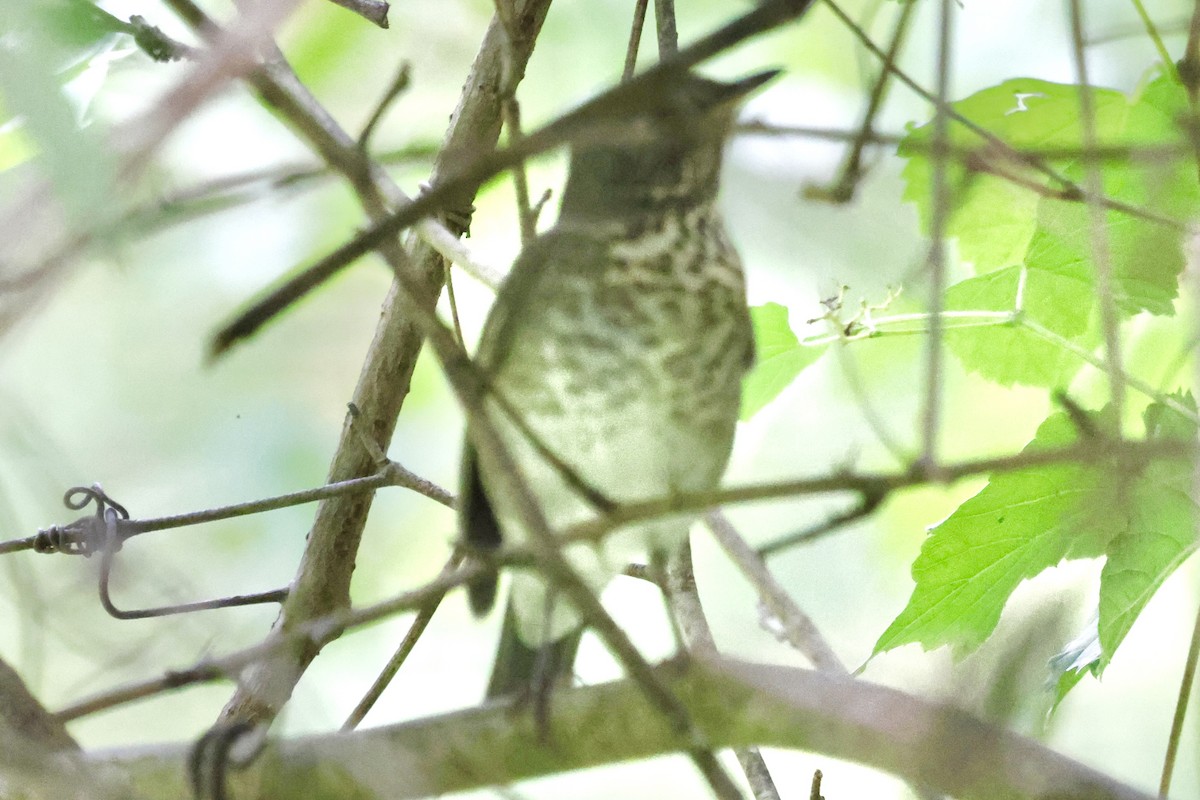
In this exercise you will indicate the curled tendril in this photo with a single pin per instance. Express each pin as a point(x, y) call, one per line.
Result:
point(85, 535)
point(78, 497)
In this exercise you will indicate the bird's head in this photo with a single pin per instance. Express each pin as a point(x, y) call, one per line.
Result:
point(662, 150)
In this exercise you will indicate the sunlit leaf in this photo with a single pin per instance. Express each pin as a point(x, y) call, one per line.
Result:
point(1013, 353)
point(1020, 524)
point(779, 358)
point(992, 217)
point(1024, 522)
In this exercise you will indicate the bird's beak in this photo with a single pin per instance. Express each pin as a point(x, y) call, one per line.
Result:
point(738, 89)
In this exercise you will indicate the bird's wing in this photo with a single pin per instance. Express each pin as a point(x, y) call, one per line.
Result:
point(534, 276)
point(522, 293)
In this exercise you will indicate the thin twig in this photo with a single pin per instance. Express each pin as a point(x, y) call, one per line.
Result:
point(1152, 31)
point(668, 34)
point(425, 613)
point(864, 508)
point(397, 87)
point(971, 155)
point(635, 38)
point(931, 413)
point(312, 634)
point(1181, 704)
point(392, 474)
point(843, 188)
point(794, 626)
point(526, 222)
point(1098, 233)
point(1133, 453)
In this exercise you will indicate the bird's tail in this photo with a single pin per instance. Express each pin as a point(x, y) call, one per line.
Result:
point(519, 669)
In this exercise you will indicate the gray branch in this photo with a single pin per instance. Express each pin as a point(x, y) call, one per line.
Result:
point(735, 703)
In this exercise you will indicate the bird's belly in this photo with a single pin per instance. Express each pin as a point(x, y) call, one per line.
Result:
point(631, 432)
point(636, 451)
point(632, 380)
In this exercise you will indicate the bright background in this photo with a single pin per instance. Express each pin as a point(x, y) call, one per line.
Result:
point(106, 382)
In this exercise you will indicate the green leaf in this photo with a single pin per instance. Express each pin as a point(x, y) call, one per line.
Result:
point(993, 222)
point(1020, 524)
point(1013, 353)
point(1159, 536)
point(991, 217)
point(779, 358)
point(1001, 225)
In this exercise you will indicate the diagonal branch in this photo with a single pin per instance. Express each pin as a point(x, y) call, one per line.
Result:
point(590, 118)
point(322, 581)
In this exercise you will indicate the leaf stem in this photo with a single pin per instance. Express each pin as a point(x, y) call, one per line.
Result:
point(988, 319)
point(1152, 32)
point(1133, 382)
point(1185, 691)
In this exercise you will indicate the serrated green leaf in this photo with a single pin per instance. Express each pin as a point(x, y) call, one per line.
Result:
point(1000, 225)
point(993, 218)
point(1013, 353)
point(1020, 524)
point(996, 223)
point(779, 358)
point(1161, 533)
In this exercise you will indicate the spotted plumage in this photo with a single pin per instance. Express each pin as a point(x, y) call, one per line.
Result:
point(621, 336)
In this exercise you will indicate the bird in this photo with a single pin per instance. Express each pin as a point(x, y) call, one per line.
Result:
point(613, 357)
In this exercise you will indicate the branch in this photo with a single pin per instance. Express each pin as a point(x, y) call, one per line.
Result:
point(735, 703)
point(874, 487)
point(323, 577)
point(683, 601)
point(616, 103)
point(24, 719)
point(375, 11)
point(794, 626)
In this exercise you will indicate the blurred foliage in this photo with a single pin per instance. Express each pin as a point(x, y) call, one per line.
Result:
point(105, 381)
point(44, 43)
